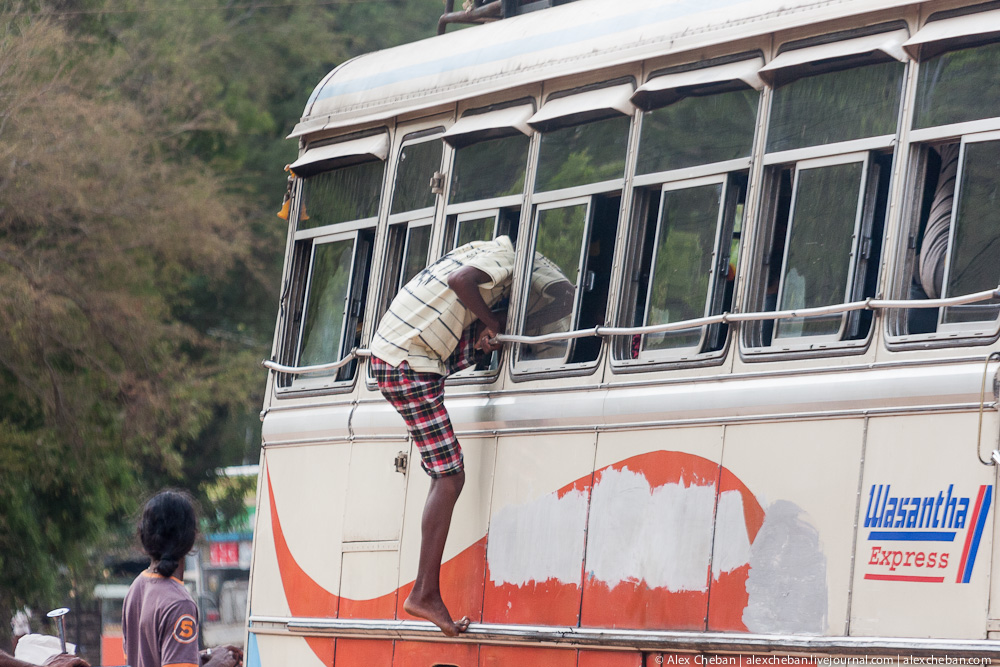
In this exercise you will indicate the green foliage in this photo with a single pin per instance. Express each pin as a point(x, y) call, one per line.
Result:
point(141, 148)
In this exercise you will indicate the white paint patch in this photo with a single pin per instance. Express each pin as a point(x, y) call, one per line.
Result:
point(539, 540)
point(732, 542)
point(662, 536)
point(787, 582)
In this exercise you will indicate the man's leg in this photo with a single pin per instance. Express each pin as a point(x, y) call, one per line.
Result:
point(419, 399)
point(425, 600)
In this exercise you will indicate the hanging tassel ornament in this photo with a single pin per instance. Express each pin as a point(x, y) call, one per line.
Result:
point(286, 201)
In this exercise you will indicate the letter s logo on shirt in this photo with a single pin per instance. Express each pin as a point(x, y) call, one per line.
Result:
point(186, 629)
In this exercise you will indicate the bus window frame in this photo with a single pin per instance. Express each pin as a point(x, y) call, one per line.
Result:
point(312, 383)
point(543, 365)
point(853, 268)
point(507, 207)
point(298, 280)
point(642, 187)
point(982, 332)
point(751, 345)
point(521, 369)
point(493, 213)
point(920, 141)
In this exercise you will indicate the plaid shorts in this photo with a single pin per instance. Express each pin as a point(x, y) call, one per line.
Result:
point(419, 399)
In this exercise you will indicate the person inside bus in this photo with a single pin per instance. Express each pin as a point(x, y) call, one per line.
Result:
point(159, 616)
point(432, 329)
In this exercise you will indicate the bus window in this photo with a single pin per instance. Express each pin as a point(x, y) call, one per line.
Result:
point(412, 213)
point(486, 184)
point(576, 200)
point(691, 183)
point(829, 143)
point(324, 300)
point(954, 240)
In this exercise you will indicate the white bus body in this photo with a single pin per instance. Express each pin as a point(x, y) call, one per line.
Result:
point(816, 486)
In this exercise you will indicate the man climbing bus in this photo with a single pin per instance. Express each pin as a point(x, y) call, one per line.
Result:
point(432, 329)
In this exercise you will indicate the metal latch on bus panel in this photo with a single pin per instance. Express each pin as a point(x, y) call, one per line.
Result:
point(402, 460)
point(437, 183)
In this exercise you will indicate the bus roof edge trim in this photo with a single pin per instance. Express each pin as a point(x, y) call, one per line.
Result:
point(960, 26)
point(469, 129)
point(660, 88)
point(568, 110)
point(890, 43)
point(342, 154)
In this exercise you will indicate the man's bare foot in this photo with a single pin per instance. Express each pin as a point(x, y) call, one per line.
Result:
point(435, 612)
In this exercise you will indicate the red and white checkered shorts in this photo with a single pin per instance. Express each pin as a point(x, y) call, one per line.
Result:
point(419, 399)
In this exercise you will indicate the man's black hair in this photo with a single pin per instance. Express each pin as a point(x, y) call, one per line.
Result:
point(167, 529)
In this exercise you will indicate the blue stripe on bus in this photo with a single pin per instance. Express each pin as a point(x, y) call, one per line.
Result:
point(984, 509)
point(912, 536)
point(533, 44)
point(252, 657)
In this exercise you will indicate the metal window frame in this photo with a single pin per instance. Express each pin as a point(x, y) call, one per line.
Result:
point(538, 365)
point(312, 383)
point(426, 211)
point(990, 327)
point(677, 186)
point(847, 158)
point(410, 226)
point(475, 215)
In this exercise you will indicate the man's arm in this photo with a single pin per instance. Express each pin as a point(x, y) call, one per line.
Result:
point(465, 282)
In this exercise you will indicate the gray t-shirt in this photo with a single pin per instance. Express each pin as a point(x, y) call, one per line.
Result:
point(160, 623)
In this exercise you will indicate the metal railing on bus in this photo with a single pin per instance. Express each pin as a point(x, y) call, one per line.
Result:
point(723, 318)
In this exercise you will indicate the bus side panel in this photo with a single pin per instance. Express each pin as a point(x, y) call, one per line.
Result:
point(299, 529)
point(785, 526)
point(656, 492)
point(372, 524)
point(609, 659)
point(925, 530)
point(276, 651)
point(538, 529)
point(363, 652)
point(428, 654)
point(464, 564)
point(515, 656)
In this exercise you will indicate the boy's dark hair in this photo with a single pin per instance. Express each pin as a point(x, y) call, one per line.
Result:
point(167, 529)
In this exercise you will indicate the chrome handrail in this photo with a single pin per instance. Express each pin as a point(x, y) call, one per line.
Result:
point(723, 318)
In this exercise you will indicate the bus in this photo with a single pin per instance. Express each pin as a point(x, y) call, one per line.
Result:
point(764, 428)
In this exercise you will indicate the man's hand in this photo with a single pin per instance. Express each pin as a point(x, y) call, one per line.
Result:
point(487, 333)
point(222, 656)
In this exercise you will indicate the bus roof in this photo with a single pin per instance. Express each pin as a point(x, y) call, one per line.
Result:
point(564, 40)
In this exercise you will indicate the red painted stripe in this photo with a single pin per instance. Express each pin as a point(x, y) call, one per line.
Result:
point(905, 577)
point(963, 561)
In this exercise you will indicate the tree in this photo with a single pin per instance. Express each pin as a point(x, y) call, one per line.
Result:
point(141, 149)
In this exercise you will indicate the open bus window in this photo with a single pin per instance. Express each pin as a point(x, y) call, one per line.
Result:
point(691, 178)
point(328, 307)
point(954, 244)
point(323, 304)
point(829, 155)
point(486, 185)
point(577, 202)
point(411, 213)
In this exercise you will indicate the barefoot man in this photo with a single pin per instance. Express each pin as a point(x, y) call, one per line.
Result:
point(432, 329)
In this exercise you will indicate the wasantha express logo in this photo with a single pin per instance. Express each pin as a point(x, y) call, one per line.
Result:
point(920, 538)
